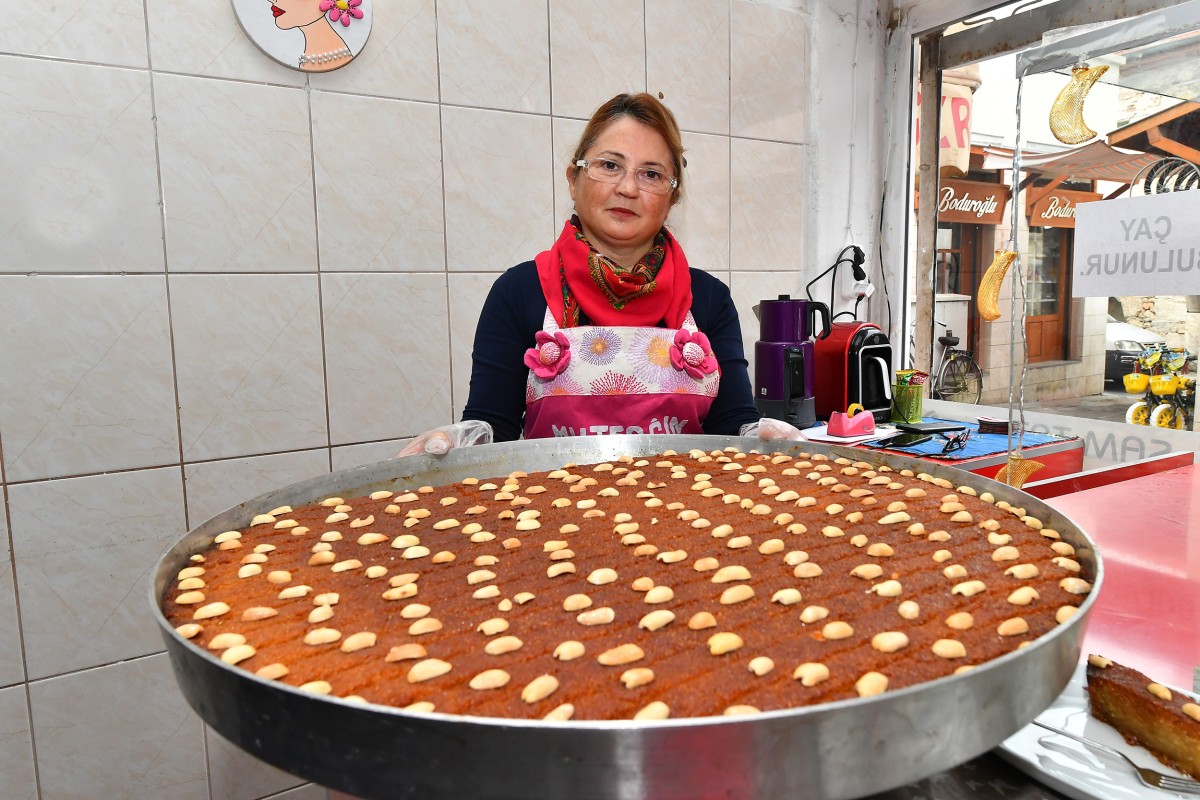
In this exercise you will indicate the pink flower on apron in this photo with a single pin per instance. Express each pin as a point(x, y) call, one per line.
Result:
point(549, 356)
point(693, 354)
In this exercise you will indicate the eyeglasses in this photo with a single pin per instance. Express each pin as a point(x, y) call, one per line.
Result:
point(956, 442)
point(648, 179)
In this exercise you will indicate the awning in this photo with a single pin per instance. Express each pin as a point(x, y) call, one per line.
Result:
point(1096, 161)
point(1174, 131)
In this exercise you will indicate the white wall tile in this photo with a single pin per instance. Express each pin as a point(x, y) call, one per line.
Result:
point(400, 56)
point(499, 195)
point(81, 186)
point(700, 220)
point(237, 775)
point(237, 176)
point(567, 133)
point(688, 60)
point(470, 291)
point(355, 455)
point(495, 54)
point(215, 486)
point(207, 39)
point(379, 184)
point(122, 732)
point(106, 31)
point(597, 50)
point(16, 745)
point(87, 366)
point(750, 288)
point(769, 182)
point(12, 664)
point(769, 72)
point(85, 549)
point(388, 353)
point(248, 364)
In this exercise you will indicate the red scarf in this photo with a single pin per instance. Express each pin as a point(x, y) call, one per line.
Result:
point(575, 278)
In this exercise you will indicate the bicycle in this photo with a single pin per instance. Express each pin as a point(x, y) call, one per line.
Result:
point(957, 376)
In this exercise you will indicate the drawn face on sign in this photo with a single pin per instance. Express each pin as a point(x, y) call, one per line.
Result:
point(295, 13)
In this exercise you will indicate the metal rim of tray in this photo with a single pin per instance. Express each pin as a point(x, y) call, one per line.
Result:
point(831, 751)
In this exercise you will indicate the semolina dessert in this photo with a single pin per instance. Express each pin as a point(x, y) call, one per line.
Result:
point(677, 585)
point(1146, 714)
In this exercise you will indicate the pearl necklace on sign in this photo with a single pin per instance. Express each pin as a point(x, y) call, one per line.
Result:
point(324, 58)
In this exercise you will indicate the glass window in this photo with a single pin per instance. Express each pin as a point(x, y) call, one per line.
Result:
point(1045, 258)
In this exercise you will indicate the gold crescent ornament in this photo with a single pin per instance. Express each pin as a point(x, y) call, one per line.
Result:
point(1066, 115)
point(1017, 470)
point(988, 298)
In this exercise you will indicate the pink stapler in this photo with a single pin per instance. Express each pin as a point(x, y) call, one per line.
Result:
point(857, 421)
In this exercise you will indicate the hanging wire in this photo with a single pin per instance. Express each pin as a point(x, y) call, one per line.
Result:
point(1018, 279)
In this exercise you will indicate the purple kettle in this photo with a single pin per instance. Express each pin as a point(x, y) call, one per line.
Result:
point(784, 358)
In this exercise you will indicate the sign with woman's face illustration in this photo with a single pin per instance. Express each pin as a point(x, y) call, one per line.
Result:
point(307, 35)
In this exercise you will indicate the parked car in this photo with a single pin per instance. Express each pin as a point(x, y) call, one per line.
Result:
point(1122, 344)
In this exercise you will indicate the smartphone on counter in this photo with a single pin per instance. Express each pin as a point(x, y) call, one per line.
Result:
point(929, 427)
point(903, 440)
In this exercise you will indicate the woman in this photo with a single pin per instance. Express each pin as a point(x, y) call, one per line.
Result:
point(609, 331)
point(324, 48)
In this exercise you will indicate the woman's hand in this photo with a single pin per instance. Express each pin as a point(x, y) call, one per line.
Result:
point(440, 441)
point(769, 429)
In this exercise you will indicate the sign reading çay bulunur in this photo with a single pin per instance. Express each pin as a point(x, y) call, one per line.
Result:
point(1138, 246)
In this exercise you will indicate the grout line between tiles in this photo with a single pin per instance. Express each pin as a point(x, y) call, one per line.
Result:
point(162, 215)
point(12, 566)
point(174, 465)
point(446, 271)
point(94, 667)
point(312, 149)
point(729, 134)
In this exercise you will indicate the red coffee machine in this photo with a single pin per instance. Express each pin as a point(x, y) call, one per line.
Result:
point(854, 365)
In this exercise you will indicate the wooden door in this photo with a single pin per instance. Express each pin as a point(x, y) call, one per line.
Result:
point(1047, 293)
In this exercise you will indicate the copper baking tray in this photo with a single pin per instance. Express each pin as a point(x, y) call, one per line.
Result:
point(832, 751)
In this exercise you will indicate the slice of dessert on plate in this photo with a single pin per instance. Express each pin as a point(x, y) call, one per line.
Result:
point(1147, 714)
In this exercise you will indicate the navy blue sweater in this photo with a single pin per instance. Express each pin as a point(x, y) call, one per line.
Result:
point(515, 310)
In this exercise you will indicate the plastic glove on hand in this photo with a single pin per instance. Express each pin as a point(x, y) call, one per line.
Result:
point(440, 441)
point(769, 429)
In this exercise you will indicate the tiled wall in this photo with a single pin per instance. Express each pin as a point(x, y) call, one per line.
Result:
point(219, 276)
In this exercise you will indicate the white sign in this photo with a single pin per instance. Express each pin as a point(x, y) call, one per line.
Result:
point(1138, 246)
point(307, 35)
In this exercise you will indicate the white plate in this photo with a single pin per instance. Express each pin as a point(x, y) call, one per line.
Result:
point(820, 433)
point(1074, 769)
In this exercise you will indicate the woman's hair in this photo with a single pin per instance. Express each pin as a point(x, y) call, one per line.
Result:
point(646, 109)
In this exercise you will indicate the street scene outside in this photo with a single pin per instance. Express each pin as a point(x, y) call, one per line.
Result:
point(1058, 355)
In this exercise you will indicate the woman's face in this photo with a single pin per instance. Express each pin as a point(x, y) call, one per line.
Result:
point(295, 13)
point(621, 219)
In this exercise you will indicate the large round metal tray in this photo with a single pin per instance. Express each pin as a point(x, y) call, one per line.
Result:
point(837, 750)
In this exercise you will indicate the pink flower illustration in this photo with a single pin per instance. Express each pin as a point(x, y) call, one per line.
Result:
point(693, 354)
point(616, 383)
point(549, 356)
point(342, 10)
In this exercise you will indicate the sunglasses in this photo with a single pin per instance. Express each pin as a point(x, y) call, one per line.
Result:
point(956, 441)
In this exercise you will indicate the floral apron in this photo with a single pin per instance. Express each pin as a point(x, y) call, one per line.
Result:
point(592, 380)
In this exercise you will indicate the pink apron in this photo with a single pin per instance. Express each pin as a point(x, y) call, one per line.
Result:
point(594, 380)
